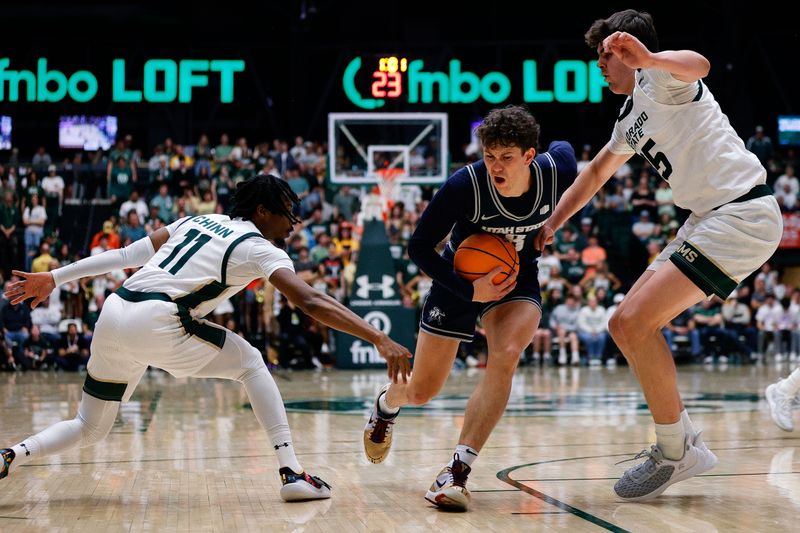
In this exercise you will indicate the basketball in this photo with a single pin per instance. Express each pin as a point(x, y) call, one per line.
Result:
point(480, 253)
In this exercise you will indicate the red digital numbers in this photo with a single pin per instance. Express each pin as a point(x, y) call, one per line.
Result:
point(387, 84)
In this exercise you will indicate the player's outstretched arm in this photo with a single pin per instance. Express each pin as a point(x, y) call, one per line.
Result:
point(39, 285)
point(684, 65)
point(586, 185)
point(332, 313)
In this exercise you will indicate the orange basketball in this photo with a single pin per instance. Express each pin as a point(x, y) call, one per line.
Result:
point(480, 253)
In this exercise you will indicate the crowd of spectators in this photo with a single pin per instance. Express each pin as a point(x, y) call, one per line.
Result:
point(584, 275)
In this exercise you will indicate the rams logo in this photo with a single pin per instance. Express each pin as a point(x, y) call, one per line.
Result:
point(688, 254)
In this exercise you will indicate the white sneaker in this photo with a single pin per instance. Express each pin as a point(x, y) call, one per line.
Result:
point(779, 357)
point(562, 358)
point(723, 360)
point(792, 356)
point(649, 479)
point(709, 360)
point(471, 361)
point(595, 363)
point(576, 359)
point(301, 487)
point(449, 490)
point(611, 362)
point(780, 407)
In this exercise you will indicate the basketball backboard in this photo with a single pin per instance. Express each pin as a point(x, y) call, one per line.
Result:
point(365, 146)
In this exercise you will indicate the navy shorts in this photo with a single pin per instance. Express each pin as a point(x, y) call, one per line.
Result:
point(446, 315)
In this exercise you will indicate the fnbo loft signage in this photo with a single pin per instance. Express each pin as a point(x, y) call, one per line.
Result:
point(163, 81)
point(399, 78)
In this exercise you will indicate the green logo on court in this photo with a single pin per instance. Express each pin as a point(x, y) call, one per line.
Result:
point(579, 404)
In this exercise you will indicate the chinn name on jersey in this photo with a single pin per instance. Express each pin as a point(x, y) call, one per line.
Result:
point(213, 226)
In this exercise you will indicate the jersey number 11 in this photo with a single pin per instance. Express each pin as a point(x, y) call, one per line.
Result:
point(201, 239)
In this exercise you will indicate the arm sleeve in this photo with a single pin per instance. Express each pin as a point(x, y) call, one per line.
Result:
point(453, 200)
point(134, 255)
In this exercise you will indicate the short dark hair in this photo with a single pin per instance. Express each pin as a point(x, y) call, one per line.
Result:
point(264, 189)
point(637, 23)
point(509, 126)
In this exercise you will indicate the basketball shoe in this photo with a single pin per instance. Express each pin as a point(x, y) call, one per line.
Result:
point(7, 456)
point(378, 431)
point(449, 490)
point(780, 407)
point(300, 487)
point(650, 478)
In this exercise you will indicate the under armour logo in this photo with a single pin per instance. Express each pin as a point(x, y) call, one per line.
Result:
point(385, 286)
point(27, 451)
point(284, 445)
point(435, 315)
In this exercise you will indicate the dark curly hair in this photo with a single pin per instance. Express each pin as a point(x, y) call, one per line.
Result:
point(637, 23)
point(509, 126)
point(264, 189)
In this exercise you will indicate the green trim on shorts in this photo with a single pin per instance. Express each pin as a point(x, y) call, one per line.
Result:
point(207, 292)
point(104, 390)
point(702, 271)
point(215, 336)
point(201, 330)
point(136, 296)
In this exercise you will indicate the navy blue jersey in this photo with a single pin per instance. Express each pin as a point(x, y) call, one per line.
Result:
point(468, 203)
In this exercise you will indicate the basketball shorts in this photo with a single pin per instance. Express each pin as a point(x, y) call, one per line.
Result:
point(446, 315)
point(721, 248)
point(132, 335)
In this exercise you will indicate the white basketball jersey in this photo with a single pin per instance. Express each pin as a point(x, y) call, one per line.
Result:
point(691, 144)
point(206, 259)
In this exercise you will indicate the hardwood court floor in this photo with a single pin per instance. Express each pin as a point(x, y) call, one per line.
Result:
point(188, 455)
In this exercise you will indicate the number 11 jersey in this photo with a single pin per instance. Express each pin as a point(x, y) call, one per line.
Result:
point(207, 259)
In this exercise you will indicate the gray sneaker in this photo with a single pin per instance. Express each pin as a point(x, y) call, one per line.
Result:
point(649, 479)
point(780, 407)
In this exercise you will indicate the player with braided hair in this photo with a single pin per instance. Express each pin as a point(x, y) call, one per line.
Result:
point(155, 319)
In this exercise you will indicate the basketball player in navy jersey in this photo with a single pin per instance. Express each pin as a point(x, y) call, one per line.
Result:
point(510, 193)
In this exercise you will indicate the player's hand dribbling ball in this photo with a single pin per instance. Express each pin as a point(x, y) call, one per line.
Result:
point(480, 253)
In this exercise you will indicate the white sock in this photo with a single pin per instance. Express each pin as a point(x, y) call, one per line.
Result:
point(687, 423)
point(466, 454)
point(286, 456)
point(268, 408)
point(791, 384)
point(384, 407)
point(670, 439)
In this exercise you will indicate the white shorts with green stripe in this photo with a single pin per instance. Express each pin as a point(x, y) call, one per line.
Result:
point(721, 248)
point(132, 335)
